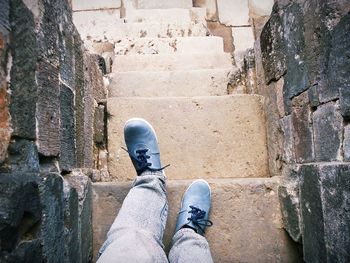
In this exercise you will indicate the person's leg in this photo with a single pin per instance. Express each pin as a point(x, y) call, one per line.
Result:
point(137, 232)
point(189, 244)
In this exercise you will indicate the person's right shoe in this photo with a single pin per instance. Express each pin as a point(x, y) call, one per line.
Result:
point(195, 207)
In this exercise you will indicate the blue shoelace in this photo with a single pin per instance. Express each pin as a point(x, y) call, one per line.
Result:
point(197, 218)
point(141, 159)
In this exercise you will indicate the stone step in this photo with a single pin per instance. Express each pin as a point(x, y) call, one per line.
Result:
point(94, 24)
point(205, 82)
point(160, 30)
point(201, 137)
point(174, 15)
point(199, 15)
point(164, 62)
point(245, 212)
point(146, 46)
point(152, 4)
point(82, 5)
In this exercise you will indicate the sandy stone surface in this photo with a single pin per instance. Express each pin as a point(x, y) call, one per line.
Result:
point(203, 82)
point(258, 8)
point(209, 137)
point(249, 231)
point(174, 15)
point(150, 4)
point(188, 45)
point(93, 4)
point(166, 62)
point(233, 12)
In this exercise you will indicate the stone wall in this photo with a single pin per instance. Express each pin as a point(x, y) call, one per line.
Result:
point(302, 65)
point(52, 101)
point(239, 22)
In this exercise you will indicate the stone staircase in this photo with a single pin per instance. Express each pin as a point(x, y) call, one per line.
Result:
point(168, 70)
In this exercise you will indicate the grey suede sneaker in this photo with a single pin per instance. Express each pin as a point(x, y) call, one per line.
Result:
point(142, 145)
point(195, 207)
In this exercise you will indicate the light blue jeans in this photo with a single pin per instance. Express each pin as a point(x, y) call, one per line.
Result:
point(137, 232)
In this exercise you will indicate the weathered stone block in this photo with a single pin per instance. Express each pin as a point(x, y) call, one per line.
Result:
point(335, 192)
point(288, 140)
point(52, 221)
point(94, 77)
point(233, 12)
point(296, 79)
point(23, 156)
point(278, 90)
point(31, 220)
point(26, 252)
point(20, 210)
point(312, 215)
point(47, 32)
point(84, 103)
point(290, 210)
point(346, 143)
point(260, 74)
point(303, 138)
point(82, 185)
point(328, 132)
point(4, 15)
point(313, 96)
point(99, 125)
point(79, 97)
point(223, 31)
point(23, 85)
point(71, 223)
point(88, 108)
point(66, 46)
point(325, 208)
point(339, 65)
point(344, 101)
point(272, 47)
point(67, 157)
point(48, 109)
point(273, 116)
point(290, 202)
point(317, 37)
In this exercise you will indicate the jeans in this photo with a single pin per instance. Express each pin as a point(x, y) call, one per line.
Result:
point(137, 232)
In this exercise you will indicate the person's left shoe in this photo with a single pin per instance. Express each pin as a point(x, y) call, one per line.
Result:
point(195, 207)
point(142, 145)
